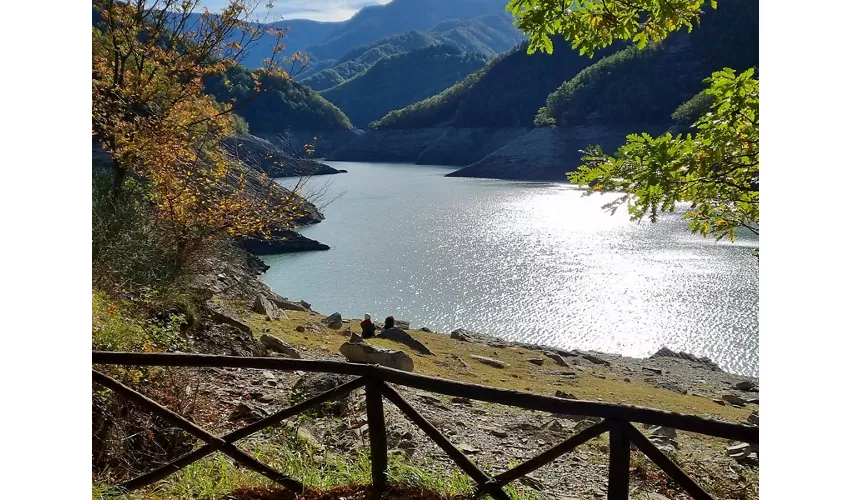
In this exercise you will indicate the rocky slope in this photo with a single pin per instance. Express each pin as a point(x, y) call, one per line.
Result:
point(493, 436)
point(547, 153)
point(270, 158)
point(427, 146)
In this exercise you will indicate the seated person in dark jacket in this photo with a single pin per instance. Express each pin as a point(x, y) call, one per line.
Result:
point(367, 326)
point(389, 323)
point(392, 332)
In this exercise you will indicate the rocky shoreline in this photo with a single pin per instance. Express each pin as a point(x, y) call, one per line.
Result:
point(245, 317)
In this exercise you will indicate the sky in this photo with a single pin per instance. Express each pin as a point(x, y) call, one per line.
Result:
point(317, 10)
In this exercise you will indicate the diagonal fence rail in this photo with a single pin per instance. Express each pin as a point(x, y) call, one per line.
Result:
point(617, 421)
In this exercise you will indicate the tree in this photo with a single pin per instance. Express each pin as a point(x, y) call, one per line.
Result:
point(716, 168)
point(593, 24)
point(150, 112)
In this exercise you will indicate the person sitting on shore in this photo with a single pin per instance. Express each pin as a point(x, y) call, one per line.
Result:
point(367, 326)
point(389, 323)
point(394, 333)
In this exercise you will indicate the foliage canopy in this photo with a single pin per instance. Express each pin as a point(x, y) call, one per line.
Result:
point(716, 169)
point(150, 112)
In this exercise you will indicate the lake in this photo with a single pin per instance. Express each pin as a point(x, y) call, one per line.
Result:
point(531, 262)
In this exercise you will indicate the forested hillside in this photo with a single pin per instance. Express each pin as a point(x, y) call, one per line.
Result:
point(282, 105)
point(648, 85)
point(507, 93)
point(396, 81)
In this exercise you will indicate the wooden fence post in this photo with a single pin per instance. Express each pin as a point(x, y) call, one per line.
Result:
point(377, 434)
point(618, 466)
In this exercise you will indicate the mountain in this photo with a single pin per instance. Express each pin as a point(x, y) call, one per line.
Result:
point(487, 120)
point(300, 34)
point(507, 93)
point(396, 81)
point(489, 35)
point(376, 22)
point(361, 58)
point(472, 118)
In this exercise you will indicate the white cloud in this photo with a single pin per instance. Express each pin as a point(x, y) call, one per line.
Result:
point(317, 10)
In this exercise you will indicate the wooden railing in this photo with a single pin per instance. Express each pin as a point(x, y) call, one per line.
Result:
point(617, 421)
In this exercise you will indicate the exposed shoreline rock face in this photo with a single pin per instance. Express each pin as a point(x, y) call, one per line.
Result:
point(281, 241)
point(427, 146)
point(513, 153)
point(462, 146)
point(548, 153)
point(272, 159)
point(403, 146)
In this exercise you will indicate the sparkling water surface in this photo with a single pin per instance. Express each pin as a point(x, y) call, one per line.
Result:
point(532, 262)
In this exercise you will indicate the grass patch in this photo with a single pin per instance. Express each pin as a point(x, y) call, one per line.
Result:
point(216, 476)
point(520, 375)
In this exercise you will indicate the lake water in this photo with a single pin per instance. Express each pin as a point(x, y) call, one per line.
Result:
point(532, 262)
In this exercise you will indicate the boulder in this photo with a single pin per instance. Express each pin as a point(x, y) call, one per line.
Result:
point(262, 305)
point(468, 336)
point(738, 449)
point(461, 334)
point(581, 425)
point(221, 314)
point(753, 418)
point(489, 361)
point(553, 425)
point(665, 352)
point(672, 386)
point(287, 305)
point(248, 412)
point(277, 345)
point(425, 329)
point(556, 358)
point(734, 399)
point(401, 336)
point(664, 443)
point(564, 395)
point(596, 360)
point(361, 352)
point(300, 329)
point(536, 361)
point(305, 305)
point(333, 321)
point(656, 371)
point(667, 432)
point(745, 385)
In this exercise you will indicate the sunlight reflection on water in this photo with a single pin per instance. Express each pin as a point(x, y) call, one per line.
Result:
point(534, 262)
